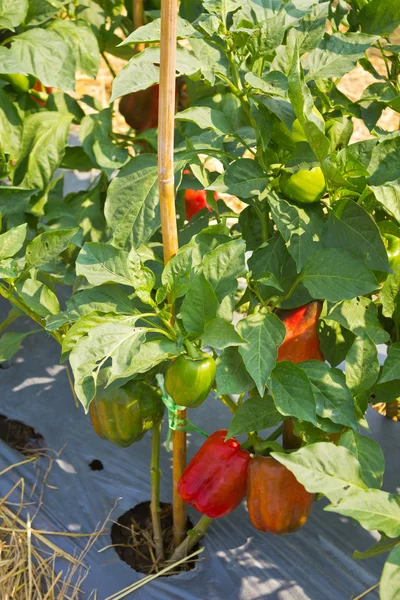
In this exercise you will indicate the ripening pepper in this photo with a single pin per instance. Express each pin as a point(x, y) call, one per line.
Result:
point(195, 200)
point(276, 501)
point(215, 480)
point(123, 415)
point(140, 109)
point(188, 380)
point(301, 343)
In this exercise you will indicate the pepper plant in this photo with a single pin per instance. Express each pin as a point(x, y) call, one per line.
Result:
point(259, 308)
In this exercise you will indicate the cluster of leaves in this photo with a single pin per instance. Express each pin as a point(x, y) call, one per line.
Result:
point(263, 78)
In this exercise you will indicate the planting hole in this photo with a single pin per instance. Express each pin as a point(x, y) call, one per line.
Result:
point(96, 465)
point(19, 436)
point(130, 537)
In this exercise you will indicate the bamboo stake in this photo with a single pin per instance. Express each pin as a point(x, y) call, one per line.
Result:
point(155, 492)
point(138, 19)
point(169, 13)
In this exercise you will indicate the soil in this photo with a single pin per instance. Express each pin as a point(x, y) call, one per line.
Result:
point(132, 537)
point(19, 436)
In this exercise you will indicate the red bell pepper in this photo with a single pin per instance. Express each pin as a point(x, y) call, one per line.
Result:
point(195, 200)
point(301, 342)
point(215, 480)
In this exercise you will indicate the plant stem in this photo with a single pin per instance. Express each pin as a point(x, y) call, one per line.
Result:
point(110, 68)
point(155, 491)
point(275, 434)
point(227, 400)
point(12, 316)
point(192, 539)
point(385, 60)
point(166, 122)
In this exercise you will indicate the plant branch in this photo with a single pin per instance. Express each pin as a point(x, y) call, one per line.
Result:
point(194, 535)
point(155, 491)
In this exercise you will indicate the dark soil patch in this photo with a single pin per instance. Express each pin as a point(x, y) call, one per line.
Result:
point(19, 436)
point(132, 538)
point(96, 465)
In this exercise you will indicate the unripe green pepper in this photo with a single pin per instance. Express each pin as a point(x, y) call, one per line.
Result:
point(188, 380)
point(19, 82)
point(304, 187)
point(123, 415)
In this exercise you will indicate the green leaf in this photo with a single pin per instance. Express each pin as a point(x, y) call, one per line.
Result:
point(45, 55)
point(47, 246)
point(13, 12)
point(199, 306)
point(43, 145)
point(389, 295)
point(388, 194)
point(132, 205)
point(142, 70)
point(312, 27)
point(82, 327)
point(232, 376)
point(332, 397)
point(82, 44)
point(384, 545)
point(301, 229)
point(325, 468)
point(220, 334)
point(152, 31)
point(266, 85)
point(38, 297)
point(254, 415)
point(151, 354)
point(108, 298)
point(391, 367)
point(222, 266)
point(206, 118)
point(337, 55)
point(330, 273)
point(380, 16)
point(335, 341)
point(11, 125)
point(389, 588)
point(115, 343)
point(384, 163)
point(10, 343)
point(362, 365)
point(243, 178)
point(292, 392)
point(264, 332)
point(350, 227)
point(8, 269)
point(66, 105)
point(303, 104)
point(12, 241)
point(103, 263)
point(94, 136)
point(373, 509)
point(176, 273)
point(360, 316)
point(369, 454)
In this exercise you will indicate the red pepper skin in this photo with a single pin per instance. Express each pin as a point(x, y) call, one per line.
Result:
point(301, 342)
point(276, 501)
point(195, 200)
point(140, 109)
point(215, 480)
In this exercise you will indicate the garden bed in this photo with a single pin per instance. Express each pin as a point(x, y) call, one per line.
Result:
point(238, 561)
